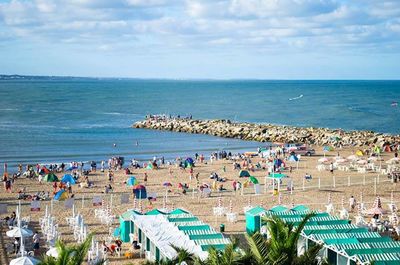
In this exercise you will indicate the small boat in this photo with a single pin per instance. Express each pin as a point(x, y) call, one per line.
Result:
point(394, 104)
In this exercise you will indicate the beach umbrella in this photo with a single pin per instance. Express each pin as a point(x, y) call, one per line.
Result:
point(60, 195)
point(140, 191)
point(327, 148)
point(244, 173)
point(24, 261)
point(167, 184)
point(51, 177)
point(67, 178)
point(323, 160)
point(253, 180)
point(341, 161)
point(362, 162)
point(19, 232)
point(372, 158)
point(132, 181)
point(52, 252)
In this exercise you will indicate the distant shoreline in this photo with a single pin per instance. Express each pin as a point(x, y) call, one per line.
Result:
point(19, 77)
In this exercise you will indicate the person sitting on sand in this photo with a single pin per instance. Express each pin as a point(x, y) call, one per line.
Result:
point(308, 177)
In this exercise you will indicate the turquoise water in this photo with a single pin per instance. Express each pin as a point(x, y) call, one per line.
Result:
point(53, 121)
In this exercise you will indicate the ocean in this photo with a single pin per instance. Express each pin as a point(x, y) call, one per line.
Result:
point(45, 121)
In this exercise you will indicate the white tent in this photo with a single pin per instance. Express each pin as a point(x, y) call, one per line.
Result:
point(24, 261)
point(19, 232)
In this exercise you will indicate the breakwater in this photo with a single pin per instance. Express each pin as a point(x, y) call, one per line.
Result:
point(269, 132)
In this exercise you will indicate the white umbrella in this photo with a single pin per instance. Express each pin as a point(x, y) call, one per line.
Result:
point(372, 158)
point(53, 252)
point(19, 232)
point(24, 261)
point(341, 161)
point(362, 162)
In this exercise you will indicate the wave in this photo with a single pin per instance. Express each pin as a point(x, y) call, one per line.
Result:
point(296, 98)
point(9, 109)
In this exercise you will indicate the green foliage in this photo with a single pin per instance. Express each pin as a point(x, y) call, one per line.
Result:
point(69, 255)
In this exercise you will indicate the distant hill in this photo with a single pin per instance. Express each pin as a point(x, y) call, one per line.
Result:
point(44, 78)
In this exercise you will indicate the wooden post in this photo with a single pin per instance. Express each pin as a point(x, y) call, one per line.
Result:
point(334, 181)
point(348, 181)
point(378, 179)
point(375, 182)
point(319, 183)
point(265, 184)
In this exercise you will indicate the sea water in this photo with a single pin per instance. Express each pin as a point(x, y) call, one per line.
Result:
point(82, 120)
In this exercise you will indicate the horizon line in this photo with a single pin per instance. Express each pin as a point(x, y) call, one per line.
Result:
point(3, 76)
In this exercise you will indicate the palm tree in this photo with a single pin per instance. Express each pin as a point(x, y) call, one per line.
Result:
point(229, 256)
point(69, 255)
point(281, 247)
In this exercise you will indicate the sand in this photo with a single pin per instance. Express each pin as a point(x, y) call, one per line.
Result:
point(311, 196)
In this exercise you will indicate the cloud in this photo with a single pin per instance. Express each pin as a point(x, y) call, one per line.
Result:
point(282, 26)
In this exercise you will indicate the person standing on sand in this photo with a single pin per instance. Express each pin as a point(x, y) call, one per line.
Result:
point(36, 240)
point(145, 178)
point(352, 203)
point(331, 167)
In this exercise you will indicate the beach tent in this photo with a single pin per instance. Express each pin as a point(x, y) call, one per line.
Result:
point(140, 192)
point(278, 209)
point(293, 158)
point(126, 226)
point(61, 195)
point(189, 163)
point(253, 219)
point(44, 170)
point(51, 177)
point(300, 208)
point(25, 260)
point(155, 212)
point(377, 150)
point(359, 153)
point(131, 181)
point(68, 179)
point(244, 173)
point(387, 148)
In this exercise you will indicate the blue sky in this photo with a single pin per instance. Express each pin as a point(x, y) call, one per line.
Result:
point(261, 39)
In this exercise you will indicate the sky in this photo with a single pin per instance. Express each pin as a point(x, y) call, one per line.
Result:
point(211, 39)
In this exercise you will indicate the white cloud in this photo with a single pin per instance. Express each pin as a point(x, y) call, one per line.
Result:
point(260, 24)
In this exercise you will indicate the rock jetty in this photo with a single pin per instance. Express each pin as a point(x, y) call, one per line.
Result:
point(269, 132)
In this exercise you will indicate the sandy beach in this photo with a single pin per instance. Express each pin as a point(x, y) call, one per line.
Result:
point(311, 195)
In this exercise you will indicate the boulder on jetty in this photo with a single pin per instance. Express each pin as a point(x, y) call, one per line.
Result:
point(268, 132)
